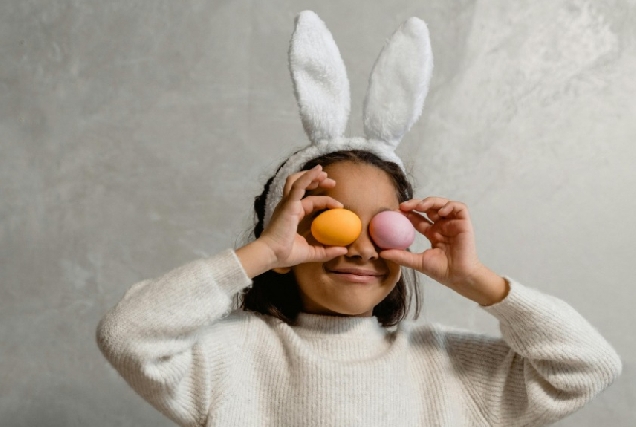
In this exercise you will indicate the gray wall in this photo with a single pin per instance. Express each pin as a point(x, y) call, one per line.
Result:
point(135, 134)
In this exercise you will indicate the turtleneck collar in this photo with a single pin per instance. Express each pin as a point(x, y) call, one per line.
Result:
point(341, 338)
point(349, 327)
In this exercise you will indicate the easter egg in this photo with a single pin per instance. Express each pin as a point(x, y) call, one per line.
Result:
point(336, 227)
point(392, 230)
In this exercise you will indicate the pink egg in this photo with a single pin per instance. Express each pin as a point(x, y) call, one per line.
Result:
point(392, 230)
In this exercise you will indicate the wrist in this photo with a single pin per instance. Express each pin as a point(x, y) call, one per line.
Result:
point(256, 257)
point(490, 288)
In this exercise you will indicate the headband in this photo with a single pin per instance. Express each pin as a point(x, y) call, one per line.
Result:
point(395, 97)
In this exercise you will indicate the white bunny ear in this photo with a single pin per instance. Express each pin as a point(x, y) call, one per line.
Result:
point(320, 79)
point(399, 83)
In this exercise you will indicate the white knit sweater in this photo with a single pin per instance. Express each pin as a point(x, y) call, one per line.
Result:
point(178, 344)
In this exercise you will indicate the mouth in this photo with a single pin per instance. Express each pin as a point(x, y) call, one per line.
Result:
point(355, 275)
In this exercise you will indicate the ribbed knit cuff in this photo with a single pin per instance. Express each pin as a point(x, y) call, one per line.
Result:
point(528, 316)
point(520, 299)
point(542, 327)
point(228, 272)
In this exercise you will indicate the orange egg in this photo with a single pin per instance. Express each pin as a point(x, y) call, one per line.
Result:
point(336, 227)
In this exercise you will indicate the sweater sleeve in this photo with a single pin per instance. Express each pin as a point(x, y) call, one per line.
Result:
point(154, 336)
point(548, 363)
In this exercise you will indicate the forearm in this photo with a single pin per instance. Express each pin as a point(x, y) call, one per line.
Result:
point(173, 306)
point(555, 363)
point(150, 335)
point(256, 258)
point(485, 287)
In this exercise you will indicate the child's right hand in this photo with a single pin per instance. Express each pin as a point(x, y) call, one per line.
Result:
point(281, 234)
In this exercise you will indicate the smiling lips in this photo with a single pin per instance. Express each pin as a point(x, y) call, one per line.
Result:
point(355, 275)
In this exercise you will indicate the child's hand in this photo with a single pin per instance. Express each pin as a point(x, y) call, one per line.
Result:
point(281, 235)
point(452, 259)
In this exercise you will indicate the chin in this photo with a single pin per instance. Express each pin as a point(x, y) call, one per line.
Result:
point(352, 311)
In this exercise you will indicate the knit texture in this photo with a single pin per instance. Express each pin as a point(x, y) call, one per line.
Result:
point(177, 342)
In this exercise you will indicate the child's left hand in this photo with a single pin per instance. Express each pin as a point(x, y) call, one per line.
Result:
point(452, 259)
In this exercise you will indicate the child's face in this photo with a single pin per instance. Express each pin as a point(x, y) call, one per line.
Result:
point(365, 190)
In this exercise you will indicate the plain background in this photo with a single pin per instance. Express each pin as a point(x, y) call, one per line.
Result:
point(134, 136)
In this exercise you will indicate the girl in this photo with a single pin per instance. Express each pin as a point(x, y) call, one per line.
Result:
point(321, 338)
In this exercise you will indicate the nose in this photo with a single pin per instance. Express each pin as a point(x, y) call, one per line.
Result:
point(363, 247)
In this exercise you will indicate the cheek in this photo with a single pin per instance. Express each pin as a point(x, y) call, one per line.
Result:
point(307, 274)
point(395, 272)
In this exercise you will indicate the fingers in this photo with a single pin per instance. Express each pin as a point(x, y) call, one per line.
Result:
point(404, 258)
point(421, 223)
point(436, 208)
point(324, 254)
point(446, 219)
point(314, 203)
point(442, 231)
point(456, 209)
point(298, 183)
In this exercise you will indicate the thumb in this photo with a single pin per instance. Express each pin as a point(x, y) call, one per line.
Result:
point(404, 258)
point(329, 253)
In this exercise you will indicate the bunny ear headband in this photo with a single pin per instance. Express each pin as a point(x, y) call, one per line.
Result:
point(397, 89)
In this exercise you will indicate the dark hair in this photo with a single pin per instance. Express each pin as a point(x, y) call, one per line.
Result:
point(278, 295)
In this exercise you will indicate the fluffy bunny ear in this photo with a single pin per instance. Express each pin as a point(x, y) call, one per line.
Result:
point(320, 79)
point(399, 83)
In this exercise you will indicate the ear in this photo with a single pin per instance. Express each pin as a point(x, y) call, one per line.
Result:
point(320, 79)
point(283, 270)
point(399, 83)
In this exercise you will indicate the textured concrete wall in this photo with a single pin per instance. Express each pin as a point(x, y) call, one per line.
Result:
point(135, 134)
